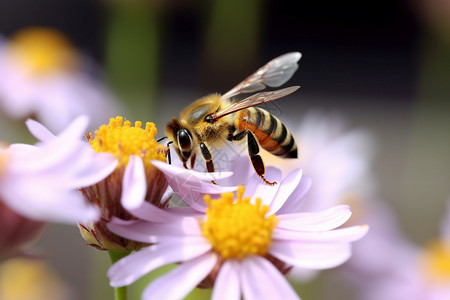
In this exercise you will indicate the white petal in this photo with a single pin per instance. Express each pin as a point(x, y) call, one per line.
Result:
point(315, 221)
point(134, 185)
point(149, 232)
point(39, 131)
point(227, 285)
point(132, 267)
point(348, 234)
point(180, 281)
point(261, 280)
point(287, 186)
point(311, 255)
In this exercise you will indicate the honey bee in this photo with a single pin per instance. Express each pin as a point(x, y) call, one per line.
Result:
point(214, 119)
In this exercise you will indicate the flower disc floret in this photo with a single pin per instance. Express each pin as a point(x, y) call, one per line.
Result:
point(43, 50)
point(123, 140)
point(238, 228)
point(436, 261)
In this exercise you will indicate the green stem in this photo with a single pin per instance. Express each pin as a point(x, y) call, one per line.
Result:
point(120, 293)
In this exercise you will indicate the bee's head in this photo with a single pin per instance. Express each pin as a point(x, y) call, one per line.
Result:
point(181, 138)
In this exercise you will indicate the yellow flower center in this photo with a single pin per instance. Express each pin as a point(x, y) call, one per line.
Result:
point(123, 140)
point(4, 159)
point(238, 228)
point(22, 279)
point(436, 261)
point(42, 50)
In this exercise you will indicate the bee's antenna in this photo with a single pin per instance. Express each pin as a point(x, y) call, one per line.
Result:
point(168, 153)
point(161, 139)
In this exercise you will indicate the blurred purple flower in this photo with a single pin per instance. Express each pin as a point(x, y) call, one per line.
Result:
point(42, 75)
point(41, 181)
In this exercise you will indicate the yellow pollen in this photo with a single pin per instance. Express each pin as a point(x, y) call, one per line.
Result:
point(238, 228)
point(436, 261)
point(42, 50)
point(123, 140)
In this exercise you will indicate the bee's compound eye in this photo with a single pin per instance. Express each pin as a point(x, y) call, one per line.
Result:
point(184, 140)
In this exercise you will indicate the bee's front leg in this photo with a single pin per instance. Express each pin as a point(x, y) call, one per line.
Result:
point(207, 157)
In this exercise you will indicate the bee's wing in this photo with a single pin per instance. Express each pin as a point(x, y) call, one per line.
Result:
point(253, 100)
point(273, 74)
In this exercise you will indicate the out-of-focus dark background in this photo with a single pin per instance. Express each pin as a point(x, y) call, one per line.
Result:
point(383, 65)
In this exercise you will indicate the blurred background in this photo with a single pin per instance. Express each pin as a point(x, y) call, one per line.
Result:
point(383, 66)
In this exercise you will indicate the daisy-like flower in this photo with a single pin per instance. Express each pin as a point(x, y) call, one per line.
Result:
point(141, 175)
point(241, 246)
point(44, 76)
point(41, 181)
point(402, 270)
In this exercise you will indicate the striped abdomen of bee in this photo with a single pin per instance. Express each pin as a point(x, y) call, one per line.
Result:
point(270, 132)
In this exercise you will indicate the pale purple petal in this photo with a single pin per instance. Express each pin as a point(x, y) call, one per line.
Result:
point(261, 280)
point(242, 171)
point(96, 167)
point(132, 267)
point(149, 232)
point(287, 186)
point(258, 189)
point(185, 211)
point(180, 281)
point(311, 255)
point(39, 131)
point(170, 170)
point(191, 190)
point(76, 128)
point(134, 185)
point(348, 234)
point(315, 221)
point(42, 203)
point(294, 201)
point(49, 154)
point(149, 212)
point(227, 285)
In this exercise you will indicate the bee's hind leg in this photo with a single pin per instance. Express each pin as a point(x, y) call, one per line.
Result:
point(253, 152)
